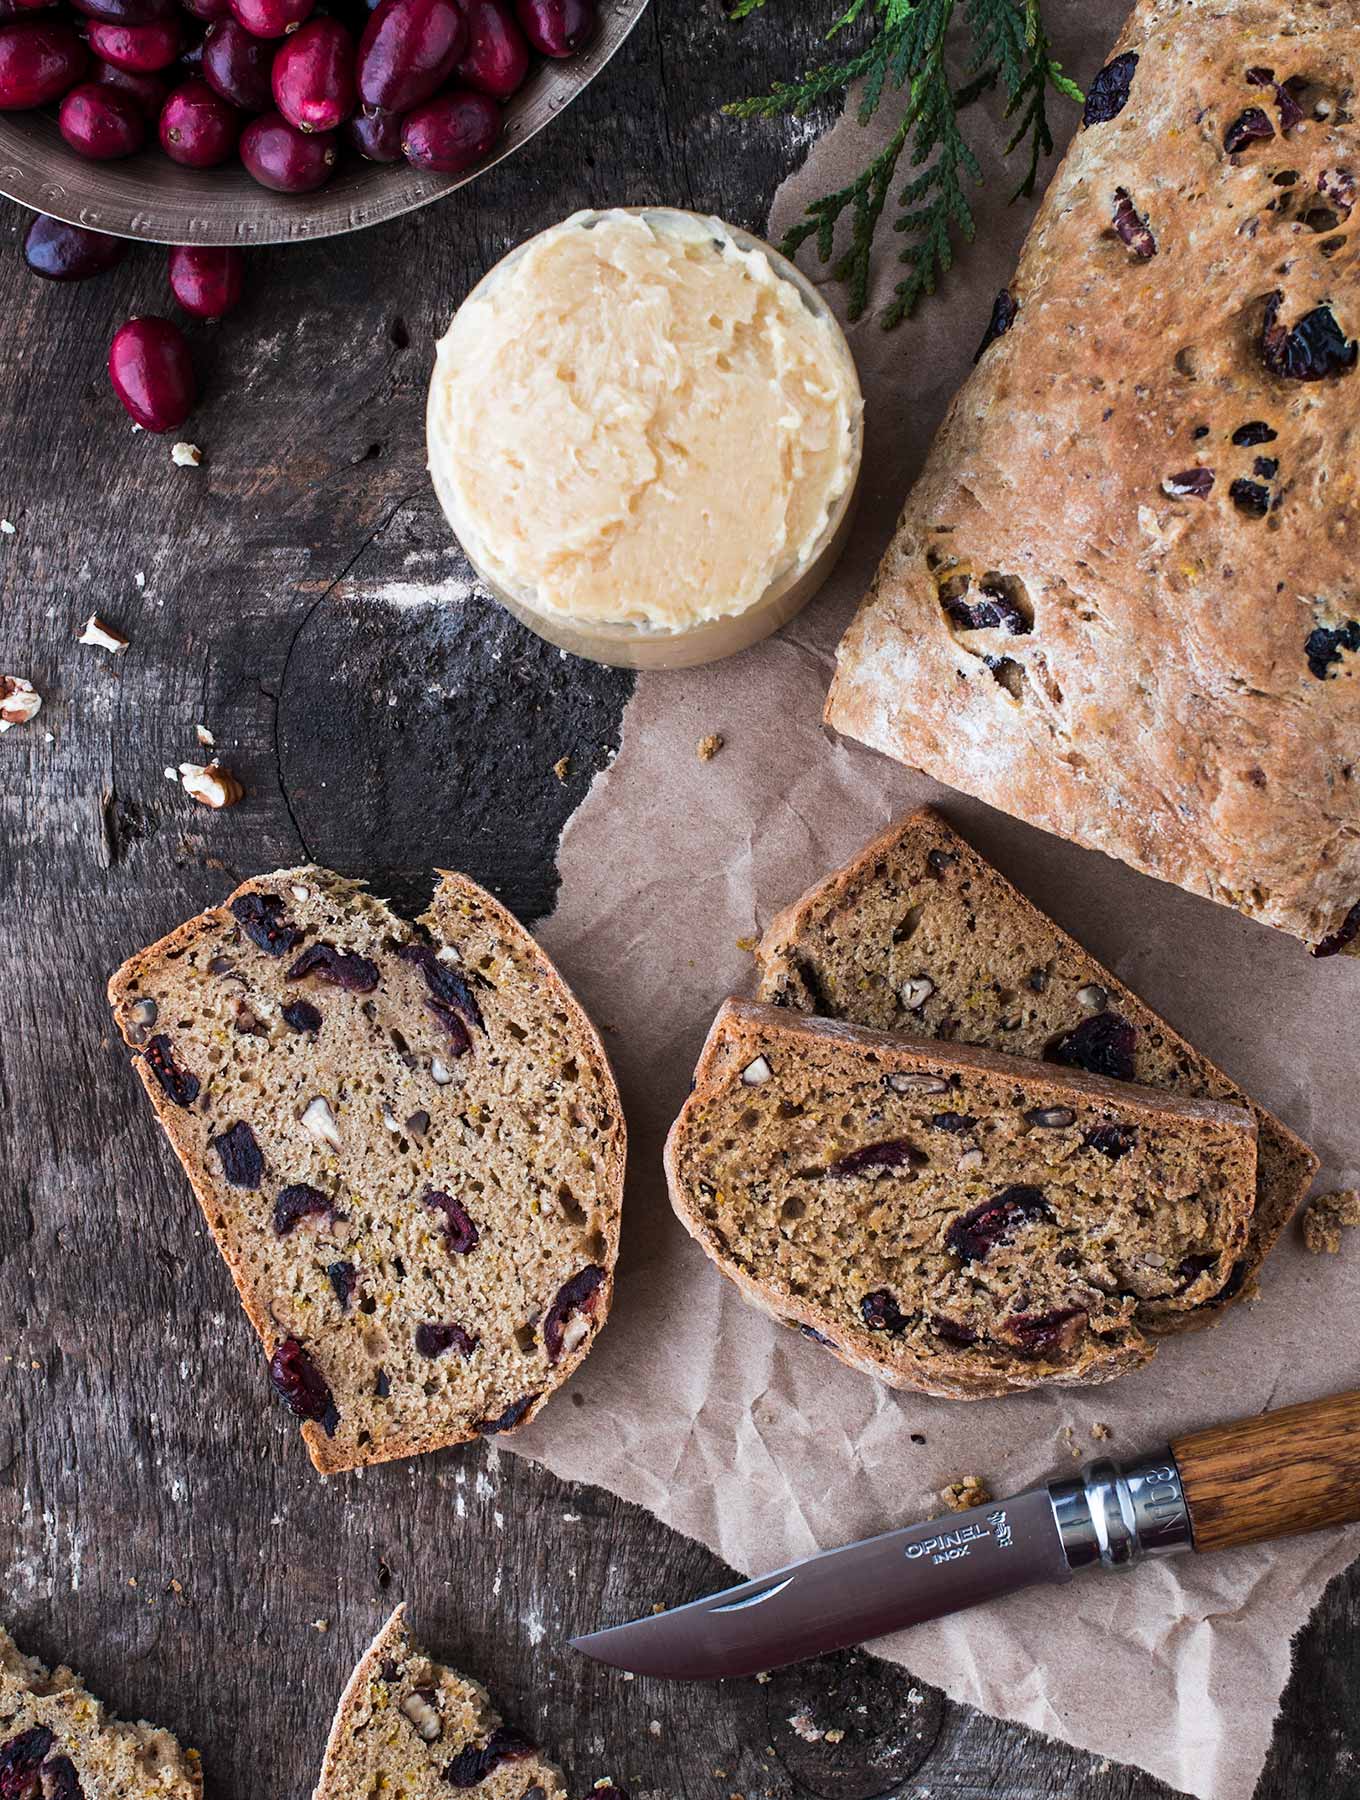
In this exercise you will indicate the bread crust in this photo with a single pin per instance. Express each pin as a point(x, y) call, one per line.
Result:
point(354, 1716)
point(1286, 1165)
point(452, 889)
point(1161, 695)
point(745, 1029)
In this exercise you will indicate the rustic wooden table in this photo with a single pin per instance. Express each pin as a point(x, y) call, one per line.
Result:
point(159, 1524)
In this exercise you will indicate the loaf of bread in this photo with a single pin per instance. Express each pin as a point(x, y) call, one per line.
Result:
point(57, 1742)
point(407, 1142)
point(1121, 602)
point(409, 1729)
point(947, 1218)
point(919, 933)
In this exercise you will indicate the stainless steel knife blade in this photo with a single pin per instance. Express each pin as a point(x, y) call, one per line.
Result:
point(846, 1596)
point(1109, 1515)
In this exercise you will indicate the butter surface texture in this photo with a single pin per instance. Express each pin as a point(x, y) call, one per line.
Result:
point(636, 420)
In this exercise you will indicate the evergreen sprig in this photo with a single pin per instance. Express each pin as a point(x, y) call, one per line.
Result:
point(903, 49)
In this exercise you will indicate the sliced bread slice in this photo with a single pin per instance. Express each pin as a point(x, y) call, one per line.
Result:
point(407, 1142)
point(920, 933)
point(948, 1218)
point(58, 1742)
point(407, 1728)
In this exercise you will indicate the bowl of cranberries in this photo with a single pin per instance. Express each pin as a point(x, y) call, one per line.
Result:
point(237, 122)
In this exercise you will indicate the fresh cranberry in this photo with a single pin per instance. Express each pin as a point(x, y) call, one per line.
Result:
point(198, 127)
point(978, 1231)
point(149, 91)
point(260, 916)
point(39, 60)
point(556, 27)
point(408, 50)
point(209, 11)
point(271, 18)
point(62, 252)
point(143, 48)
point(300, 1385)
point(101, 122)
point(313, 76)
point(337, 968)
point(126, 12)
point(281, 157)
point(375, 134)
point(236, 65)
point(496, 60)
point(152, 373)
point(206, 280)
point(579, 1295)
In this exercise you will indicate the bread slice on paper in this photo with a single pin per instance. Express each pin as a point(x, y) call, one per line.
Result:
point(919, 933)
point(1121, 600)
point(947, 1218)
point(57, 1742)
point(408, 1145)
point(407, 1728)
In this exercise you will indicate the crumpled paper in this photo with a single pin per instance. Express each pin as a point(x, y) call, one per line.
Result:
point(747, 1436)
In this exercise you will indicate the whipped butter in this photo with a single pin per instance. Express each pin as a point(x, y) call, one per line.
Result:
point(641, 425)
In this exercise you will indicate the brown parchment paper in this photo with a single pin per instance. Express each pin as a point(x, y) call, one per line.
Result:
point(747, 1436)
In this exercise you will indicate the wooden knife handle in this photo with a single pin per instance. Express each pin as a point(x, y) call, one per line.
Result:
point(1272, 1476)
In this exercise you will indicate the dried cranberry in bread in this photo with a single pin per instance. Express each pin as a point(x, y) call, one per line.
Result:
point(408, 1145)
point(409, 1729)
point(920, 933)
point(1121, 602)
point(950, 1219)
point(57, 1742)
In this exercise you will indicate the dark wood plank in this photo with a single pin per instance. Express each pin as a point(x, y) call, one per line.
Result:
point(159, 1523)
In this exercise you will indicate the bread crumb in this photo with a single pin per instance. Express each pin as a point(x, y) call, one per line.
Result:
point(748, 944)
point(1069, 1437)
point(321, 1624)
point(835, 1736)
point(654, 1727)
point(1100, 1430)
point(763, 1677)
point(968, 1491)
point(1326, 1217)
point(185, 456)
point(803, 1727)
point(709, 746)
point(562, 767)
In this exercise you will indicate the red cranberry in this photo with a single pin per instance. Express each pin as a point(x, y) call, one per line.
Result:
point(62, 252)
point(206, 280)
point(271, 18)
point(39, 60)
point(149, 91)
point(281, 157)
point(152, 373)
point(313, 76)
point(451, 132)
point(375, 134)
point(198, 127)
point(126, 12)
point(143, 48)
point(301, 1385)
point(236, 65)
point(101, 122)
point(207, 10)
point(408, 50)
point(556, 27)
point(497, 57)
point(190, 65)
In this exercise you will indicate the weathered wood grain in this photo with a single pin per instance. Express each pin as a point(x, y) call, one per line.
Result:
point(159, 1523)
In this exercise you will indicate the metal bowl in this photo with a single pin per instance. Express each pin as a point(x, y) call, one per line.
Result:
point(152, 198)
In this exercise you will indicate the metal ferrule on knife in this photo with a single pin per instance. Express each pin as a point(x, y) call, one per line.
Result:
point(1115, 1514)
